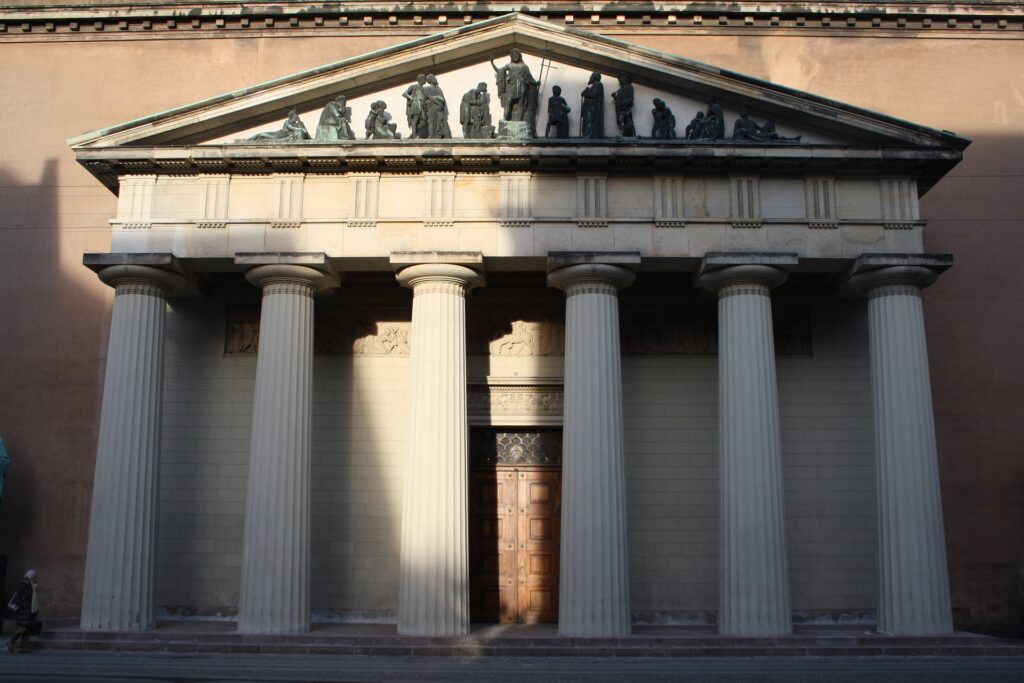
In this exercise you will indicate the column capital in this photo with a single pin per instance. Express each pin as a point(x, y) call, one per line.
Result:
point(762, 270)
point(312, 270)
point(463, 270)
point(610, 268)
point(568, 278)
point(907, 273)
point(288, 274)
point(139, 279)
point(760, 277)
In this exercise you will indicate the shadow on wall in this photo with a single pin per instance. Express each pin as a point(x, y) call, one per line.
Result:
point(974, 316)
point(51, 370)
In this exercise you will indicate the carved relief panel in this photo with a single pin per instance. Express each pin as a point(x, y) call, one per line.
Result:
point(644, 331)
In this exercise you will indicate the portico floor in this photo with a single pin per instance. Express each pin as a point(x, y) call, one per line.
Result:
point(508, 640)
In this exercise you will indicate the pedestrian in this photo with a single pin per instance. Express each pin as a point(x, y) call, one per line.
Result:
point(26, 606)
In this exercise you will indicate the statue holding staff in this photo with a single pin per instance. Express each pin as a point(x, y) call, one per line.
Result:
point(517, 88)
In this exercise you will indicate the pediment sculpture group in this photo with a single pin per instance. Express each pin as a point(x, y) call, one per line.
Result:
point(426, 111)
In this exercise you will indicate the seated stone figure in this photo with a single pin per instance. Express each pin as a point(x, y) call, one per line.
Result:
point(378, 124)
point(746, 128)
point(664, 127)
point(293, 130)
point(335, 122)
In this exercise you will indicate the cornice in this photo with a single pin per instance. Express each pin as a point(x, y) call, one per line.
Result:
point(927, 164)
point(177, 20)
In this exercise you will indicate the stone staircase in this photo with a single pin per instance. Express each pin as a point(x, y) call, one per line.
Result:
point(532, 641)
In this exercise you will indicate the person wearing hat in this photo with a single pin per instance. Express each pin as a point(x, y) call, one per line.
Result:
point(26, 607)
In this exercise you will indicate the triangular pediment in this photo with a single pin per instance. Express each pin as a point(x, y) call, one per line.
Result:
point(812, 132)
point(453, 54)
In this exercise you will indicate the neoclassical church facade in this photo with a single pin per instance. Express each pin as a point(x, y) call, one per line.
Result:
point(460, 347)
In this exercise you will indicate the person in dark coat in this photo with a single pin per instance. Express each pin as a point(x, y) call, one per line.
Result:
point(26, 606)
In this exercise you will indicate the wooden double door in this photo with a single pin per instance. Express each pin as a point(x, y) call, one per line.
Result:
point(515, 523)
point(514, 544)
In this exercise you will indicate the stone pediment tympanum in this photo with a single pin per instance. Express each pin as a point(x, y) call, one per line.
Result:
point(684, 114)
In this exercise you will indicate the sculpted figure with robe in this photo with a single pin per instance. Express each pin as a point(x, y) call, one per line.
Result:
point(415, 110)
point(475, 114)
point(592, 111)
point(558, 115)
point(293, 130)
point(335, 122)
point(517, 89)
point(746, 128)
point(623, 98)
point(664, 127)
point(435, 108)
point(378, 123)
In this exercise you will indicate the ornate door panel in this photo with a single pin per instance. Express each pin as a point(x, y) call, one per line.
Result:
point(492, 545)
point(515, 508)
point(540, 494)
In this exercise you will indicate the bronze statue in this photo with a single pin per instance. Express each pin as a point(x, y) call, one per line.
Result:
point(558, 115)
point(435, 108)
point(747, 129)
point(517, 89)
point(475, 114)
point(623, 98)
point(378, 123)
point(335, 122)
point(664, 127)
point(708, 125)
point(592, 111)
point(293, 130)
point(414, 108)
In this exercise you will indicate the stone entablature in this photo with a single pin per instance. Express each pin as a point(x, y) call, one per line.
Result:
point(370, 216)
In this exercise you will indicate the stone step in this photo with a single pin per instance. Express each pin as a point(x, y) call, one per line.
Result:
point(636, 646)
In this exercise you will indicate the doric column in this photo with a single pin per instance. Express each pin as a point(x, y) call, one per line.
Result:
point(434, 572)
point(754, 584)
point(274, 596)
point(594, 573)
point(913, 583)
point(119, 567)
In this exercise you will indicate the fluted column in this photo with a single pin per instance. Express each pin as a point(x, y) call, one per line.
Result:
point(594, 573)
point(913, 583)
point(434, 570)
point(119, 567)
point(754, 584)
point(274, 596)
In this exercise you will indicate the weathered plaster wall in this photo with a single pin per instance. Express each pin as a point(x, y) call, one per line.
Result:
point(56, 313)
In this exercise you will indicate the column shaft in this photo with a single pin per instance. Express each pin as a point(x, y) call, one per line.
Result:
point(754, 585)
point(119, 568)
point(594, 572)
point(434, 571)
point(913, 584)
point(274, 595)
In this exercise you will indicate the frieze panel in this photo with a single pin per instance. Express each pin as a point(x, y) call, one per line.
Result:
point(644, 331)
point(515, 400)
point(381, 332)
point(511, 332)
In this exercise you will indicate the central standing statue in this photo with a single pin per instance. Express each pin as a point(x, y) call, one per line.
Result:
point(517, 90)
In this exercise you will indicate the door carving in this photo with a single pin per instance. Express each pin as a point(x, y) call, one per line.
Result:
point(515, 527)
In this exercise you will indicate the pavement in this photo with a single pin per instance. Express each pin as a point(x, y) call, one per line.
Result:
point(150, 667)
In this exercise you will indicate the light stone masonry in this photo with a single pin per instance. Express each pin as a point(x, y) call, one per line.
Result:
point(120, 562)
point(754, 595)
point(594, 572)
point(274, 595)
point(434, 572)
